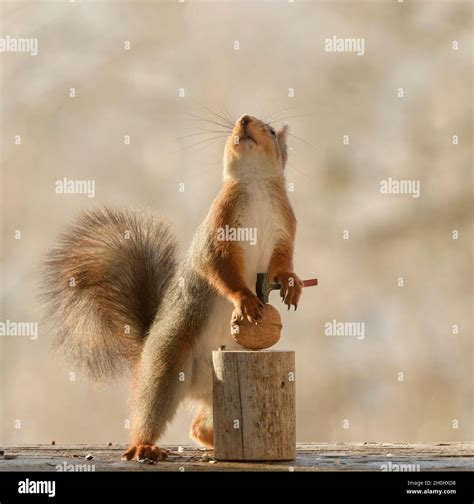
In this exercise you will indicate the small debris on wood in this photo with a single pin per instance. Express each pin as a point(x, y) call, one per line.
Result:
point(109, 444)
point(9, 456)
point(180, 449)
point(208, 458)
point(53, 442)
point(146, 461)
point(1, 453)
point(89, 456)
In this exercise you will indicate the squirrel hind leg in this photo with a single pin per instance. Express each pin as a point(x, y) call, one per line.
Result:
point(201, 428)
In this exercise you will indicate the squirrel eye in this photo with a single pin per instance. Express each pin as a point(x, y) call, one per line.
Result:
point(273, 132)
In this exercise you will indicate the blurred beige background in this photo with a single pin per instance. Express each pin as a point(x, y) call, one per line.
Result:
point(336, 188)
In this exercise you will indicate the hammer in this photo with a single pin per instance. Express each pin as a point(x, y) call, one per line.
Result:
point(264, 287)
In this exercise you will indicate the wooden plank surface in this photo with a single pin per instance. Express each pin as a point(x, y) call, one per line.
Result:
point(310, 457)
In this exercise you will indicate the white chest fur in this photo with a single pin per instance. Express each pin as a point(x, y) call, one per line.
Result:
point(261, 219)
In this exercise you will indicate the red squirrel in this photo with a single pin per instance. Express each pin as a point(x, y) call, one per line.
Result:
point(118, 296)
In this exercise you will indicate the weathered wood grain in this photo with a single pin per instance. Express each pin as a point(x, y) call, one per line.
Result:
point(456, 456)
point(254, 405)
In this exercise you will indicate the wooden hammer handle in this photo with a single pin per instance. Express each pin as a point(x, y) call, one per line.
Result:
point(310, 282)
point(306, 283)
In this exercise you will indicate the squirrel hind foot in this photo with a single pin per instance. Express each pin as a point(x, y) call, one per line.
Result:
point(144, 452)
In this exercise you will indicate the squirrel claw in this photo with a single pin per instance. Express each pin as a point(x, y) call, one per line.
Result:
point(143, 452)
point(248, 306)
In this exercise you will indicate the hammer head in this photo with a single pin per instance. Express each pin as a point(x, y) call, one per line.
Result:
point(263, 287)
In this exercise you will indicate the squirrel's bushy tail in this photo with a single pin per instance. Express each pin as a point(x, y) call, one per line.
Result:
point(103, 284)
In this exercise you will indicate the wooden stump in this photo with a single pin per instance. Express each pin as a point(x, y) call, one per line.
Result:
point(254, 405)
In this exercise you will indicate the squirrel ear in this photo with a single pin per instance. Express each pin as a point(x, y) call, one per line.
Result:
point(281, 138)
point(281, 133)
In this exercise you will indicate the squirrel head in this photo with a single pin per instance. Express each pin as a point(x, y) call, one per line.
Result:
point(254, 149)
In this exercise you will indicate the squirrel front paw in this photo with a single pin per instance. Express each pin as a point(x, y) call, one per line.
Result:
point(247, 305)
point(144, 451)
point(291, 286)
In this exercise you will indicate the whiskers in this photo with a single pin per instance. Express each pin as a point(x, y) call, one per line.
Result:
point(291, 165)
point(272, 117)
point(302, 140)
point(222, 119)
point(208, 130)
point(285, 118)
point(216, 126)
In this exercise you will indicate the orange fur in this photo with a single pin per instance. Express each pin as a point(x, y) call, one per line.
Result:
point(280, 268)
point(201, 428)
point(282, 257)
point(224, 269)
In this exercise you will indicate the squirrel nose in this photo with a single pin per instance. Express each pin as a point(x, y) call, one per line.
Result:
point(245, 119)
